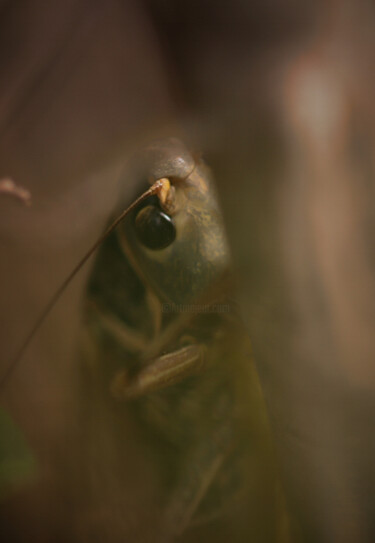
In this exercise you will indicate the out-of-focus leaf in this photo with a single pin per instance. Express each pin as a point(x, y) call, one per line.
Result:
point(17, 464)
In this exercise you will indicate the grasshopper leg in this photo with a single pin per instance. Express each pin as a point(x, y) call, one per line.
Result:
point(126, 336)
point(202, 466)
point(129, 337)
point(161, 372)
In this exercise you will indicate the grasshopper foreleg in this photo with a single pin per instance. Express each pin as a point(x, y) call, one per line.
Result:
point(161, 372)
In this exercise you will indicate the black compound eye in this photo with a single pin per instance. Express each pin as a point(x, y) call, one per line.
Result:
point(154, 228)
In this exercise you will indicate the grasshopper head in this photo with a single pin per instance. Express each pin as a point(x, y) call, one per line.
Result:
point(176, 240)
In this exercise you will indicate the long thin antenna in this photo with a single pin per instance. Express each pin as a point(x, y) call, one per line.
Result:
point(154, 189)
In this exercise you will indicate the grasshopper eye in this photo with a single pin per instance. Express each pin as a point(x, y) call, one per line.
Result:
point(154, 228)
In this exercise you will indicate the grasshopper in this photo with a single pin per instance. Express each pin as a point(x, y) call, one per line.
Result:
point(165, 341)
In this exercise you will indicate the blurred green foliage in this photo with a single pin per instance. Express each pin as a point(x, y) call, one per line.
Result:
point(17, 464)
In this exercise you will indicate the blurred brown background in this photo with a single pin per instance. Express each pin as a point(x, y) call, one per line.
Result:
point(279, 98)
